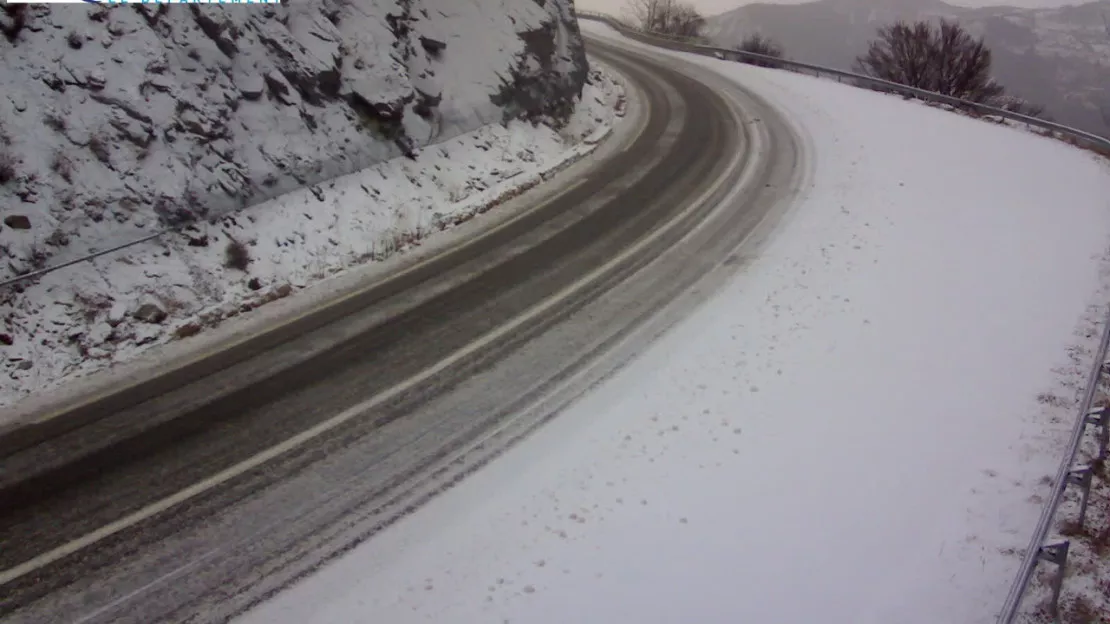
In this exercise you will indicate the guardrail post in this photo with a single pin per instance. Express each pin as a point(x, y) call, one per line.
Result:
point(1100, 417)
point(1057, 553)
point(1081, 476)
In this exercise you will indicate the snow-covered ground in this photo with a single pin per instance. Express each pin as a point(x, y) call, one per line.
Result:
point(95, 315)
point(859, 428)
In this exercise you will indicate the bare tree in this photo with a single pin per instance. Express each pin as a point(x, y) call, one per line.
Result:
point(963, 65)
point(649, 15)
point(944, 59)
point(671, 17)
point(12, 20)
point(643, 12)
point(758, 44)
point(685, 21)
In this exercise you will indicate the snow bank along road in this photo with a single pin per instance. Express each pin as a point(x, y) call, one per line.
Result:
point(204, 491)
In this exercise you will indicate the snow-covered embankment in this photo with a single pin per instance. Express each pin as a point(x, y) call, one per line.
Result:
point(506, 111)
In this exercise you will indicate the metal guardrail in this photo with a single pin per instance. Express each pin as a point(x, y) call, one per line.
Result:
point(1040, 548)
point(683, 44)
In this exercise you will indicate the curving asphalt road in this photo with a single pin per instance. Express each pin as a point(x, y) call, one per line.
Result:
point(198, 494)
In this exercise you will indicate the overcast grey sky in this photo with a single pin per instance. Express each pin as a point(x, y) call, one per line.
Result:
point(710, 7)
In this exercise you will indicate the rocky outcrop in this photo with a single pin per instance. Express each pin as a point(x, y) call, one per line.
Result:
point(97, 315)
point(118, 120)
point(550, 71)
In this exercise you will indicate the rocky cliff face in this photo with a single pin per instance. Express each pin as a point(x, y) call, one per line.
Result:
point(118, 121)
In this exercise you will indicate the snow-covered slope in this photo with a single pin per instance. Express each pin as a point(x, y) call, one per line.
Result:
point(118, 121)
point(856, 430)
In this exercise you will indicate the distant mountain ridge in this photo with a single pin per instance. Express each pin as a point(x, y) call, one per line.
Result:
point(1058, 57)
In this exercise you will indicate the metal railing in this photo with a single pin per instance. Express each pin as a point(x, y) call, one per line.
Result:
point(683, 44)
point(1040, 548)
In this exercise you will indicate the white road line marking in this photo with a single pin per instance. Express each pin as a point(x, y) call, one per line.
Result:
point(277, 450)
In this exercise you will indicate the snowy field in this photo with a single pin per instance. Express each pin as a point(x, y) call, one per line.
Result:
point(106, 312)
point(858, 429)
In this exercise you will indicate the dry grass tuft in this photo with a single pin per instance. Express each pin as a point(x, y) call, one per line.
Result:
point(1079, 610)
point(98, 145)
point(63, 166)
point(237, 256)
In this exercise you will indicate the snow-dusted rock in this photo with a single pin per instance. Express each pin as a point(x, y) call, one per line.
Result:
point(280, 126)
point(150, 313)
point(297, 93)
point(250, 84)
point(117, 313)
point(17, 222)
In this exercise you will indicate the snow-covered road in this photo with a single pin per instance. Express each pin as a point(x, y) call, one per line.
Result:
point(857, 429)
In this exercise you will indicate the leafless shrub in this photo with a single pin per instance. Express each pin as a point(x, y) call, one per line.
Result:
point(1053, 400)
point(68, 200)
point(38, 257)
point(98, 145)
point(669, 17)
point(75, 40)
point(1079, 610)
point(172, 213)
point(16, 19)
point(55, 121)
point(1080, 567)
point(758, 44)
point(1018, 105)
point(1072, 528)
point(92, 304)
point(58, 238)
point(1098, 466)
point(1100, 541)
point(237, 256)
point(63, 166)
point(8, 164)
point(944, 59)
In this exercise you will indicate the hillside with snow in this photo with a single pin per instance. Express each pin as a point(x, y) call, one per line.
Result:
point(116, 120)
point(235, 125)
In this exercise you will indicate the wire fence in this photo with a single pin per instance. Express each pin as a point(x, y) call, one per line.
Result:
point(1089, 420)
point(215, 205)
